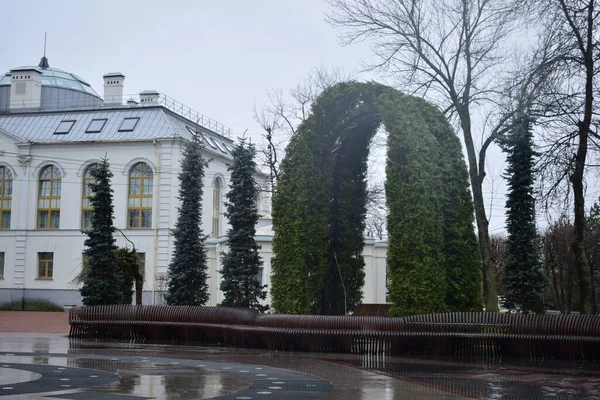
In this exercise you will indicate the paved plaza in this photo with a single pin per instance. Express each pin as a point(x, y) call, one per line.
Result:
point(38, 361)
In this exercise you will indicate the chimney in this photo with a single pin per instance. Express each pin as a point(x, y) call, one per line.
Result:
point(113, 88)
point(149, 97)
point(25, 88)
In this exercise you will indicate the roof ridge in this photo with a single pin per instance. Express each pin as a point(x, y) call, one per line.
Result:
point(162, 109)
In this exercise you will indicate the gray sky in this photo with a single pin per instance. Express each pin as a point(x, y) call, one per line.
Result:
point(217, 57)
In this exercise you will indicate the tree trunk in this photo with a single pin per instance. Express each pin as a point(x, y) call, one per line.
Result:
point(139, 283)
point(490, 296)
point(578, 245)
point(569, 291)
point(557, 294)
point(593, 289)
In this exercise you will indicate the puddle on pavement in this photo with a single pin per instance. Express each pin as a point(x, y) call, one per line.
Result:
point(509, 379)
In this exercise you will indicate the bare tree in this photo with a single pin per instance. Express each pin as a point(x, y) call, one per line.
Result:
point(559, 264)
point(268, 152)
point(451, 52)
point(377, 212)
point(571, 40)
point(499, 249)
point(282, 115)
point(286, 110)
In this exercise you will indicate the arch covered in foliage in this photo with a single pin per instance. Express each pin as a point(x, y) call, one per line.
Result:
point(320, 205)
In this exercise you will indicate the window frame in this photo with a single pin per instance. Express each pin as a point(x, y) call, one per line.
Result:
point(121, 129)
point(143, 181)
point(48, 262)
point(6, 180)
point(51, 210)
point(67, 131)
point(216, 217)
point(89, 130)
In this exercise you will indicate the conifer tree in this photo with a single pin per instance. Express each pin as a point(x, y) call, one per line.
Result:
point(241, 264)
point(103, 280)
point(523, 279)
point(188, 269)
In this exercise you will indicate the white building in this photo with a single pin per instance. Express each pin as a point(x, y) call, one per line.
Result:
point(53, 127)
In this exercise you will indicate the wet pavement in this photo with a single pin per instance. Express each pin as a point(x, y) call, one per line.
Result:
point(53, 367)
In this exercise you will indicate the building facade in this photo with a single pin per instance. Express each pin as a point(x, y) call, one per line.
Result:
point(53, 127)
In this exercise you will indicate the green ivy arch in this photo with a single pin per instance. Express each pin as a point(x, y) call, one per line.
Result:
point(320, 205)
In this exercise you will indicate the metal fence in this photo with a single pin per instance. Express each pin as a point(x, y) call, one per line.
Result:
point(463, 334)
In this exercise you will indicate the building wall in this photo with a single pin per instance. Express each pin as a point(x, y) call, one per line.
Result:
point(22, 243)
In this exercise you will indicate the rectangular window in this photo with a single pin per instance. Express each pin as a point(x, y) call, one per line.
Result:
point(215, 227)
point(48, 219)
point(139, 217)
point(5, 197)
point(146, 218)
point(134, 217)
point(96, 125)
point(45, 265)
point(64, 127)
point(128, 124)
point(86, 219)
point(54, 219)
point(1, 265)
point(5, 224)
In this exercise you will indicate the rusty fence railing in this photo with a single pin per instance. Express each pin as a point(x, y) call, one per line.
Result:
point(468, 334)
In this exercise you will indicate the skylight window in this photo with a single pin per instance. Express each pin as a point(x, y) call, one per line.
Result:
point(228, 147)
point(211, 142)
point(195, 133)
point(221, 147)
point(128, 124)
point(64, 127)
point(96, 125)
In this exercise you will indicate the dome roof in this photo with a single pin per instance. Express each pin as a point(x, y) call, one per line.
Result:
point(53, 77)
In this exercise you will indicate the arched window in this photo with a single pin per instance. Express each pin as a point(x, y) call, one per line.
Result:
point(86, 207)
point(49, 198)
point(139, 208)
point(5, 197)
point(216, 221)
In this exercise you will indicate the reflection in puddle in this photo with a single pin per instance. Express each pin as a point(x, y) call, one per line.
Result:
point(491, 380)
point(163, 381)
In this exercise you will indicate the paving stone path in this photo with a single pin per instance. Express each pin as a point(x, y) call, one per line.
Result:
point(34, 322)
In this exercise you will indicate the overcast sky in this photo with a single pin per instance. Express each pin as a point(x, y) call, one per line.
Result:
point(217, 57)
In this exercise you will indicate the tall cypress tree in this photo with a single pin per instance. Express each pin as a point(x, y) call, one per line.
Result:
point(241, 264)
point(523, 280)
point(188, 269)
point(103, 280)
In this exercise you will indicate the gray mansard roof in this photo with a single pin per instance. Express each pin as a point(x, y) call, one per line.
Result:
point(115, 124)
